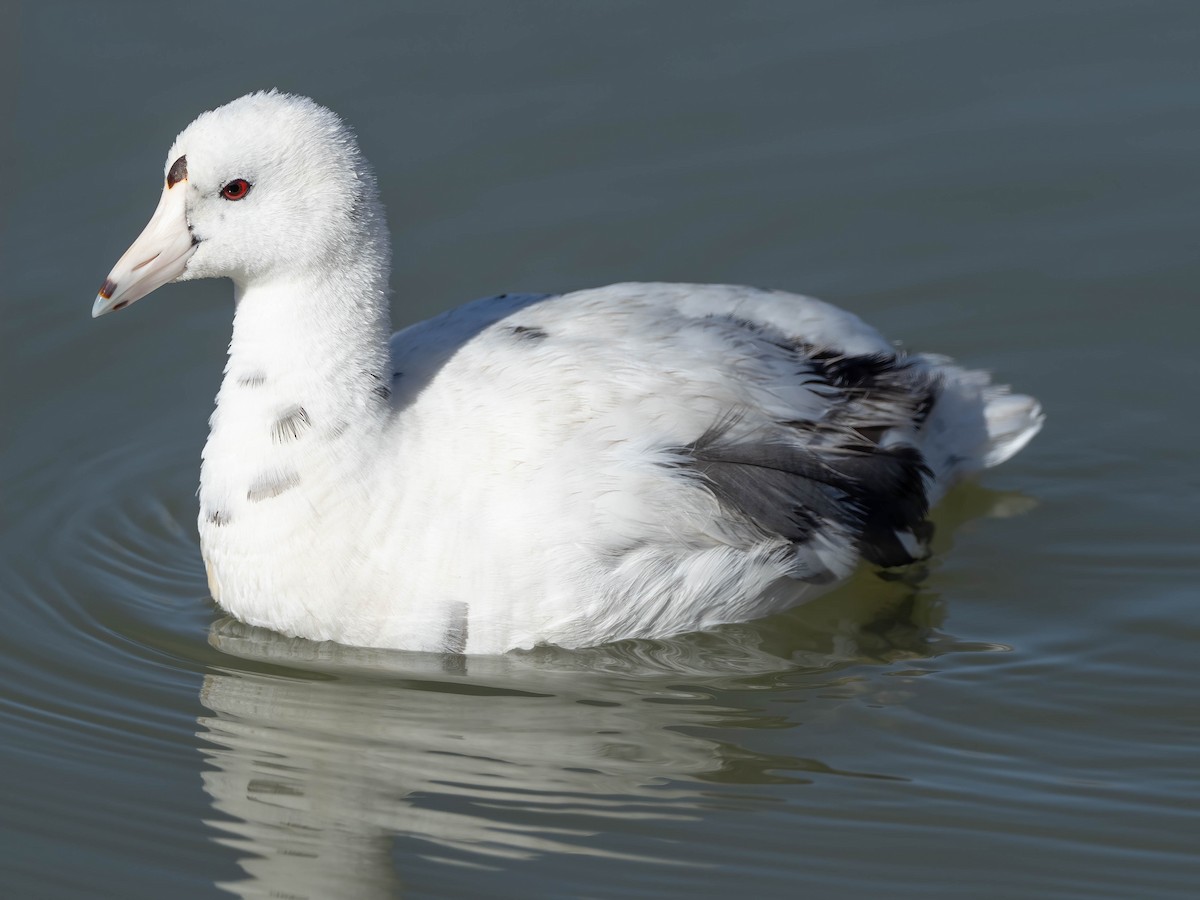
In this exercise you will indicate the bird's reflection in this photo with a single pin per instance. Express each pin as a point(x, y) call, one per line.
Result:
point(319, 773)
point(334, 769)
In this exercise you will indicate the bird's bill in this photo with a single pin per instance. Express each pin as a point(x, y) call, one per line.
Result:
point(159, 255)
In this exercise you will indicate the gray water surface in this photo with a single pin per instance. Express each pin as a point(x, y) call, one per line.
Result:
point(1009, 182)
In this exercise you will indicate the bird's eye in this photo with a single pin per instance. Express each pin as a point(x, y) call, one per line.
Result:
point(236, 189)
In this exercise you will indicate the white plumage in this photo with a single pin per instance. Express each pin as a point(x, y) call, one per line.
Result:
point(638, 460)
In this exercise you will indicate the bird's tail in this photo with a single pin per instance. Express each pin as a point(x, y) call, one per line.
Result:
point(974, 424)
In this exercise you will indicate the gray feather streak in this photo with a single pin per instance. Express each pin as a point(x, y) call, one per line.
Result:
point(267, 486)
point(292, 423)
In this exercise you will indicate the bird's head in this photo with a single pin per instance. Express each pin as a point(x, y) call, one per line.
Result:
point(270, 185)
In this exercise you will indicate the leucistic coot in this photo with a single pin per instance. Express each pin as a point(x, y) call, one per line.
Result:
point(638, 460)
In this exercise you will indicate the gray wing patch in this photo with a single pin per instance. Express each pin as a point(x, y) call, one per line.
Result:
point(791, 478)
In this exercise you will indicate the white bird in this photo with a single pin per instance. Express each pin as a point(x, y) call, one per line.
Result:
point(634, 461)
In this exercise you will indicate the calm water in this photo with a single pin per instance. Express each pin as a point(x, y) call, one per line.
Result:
point(1010, 182)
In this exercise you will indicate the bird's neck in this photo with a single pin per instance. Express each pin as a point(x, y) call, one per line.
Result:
point(306, 391)
point(325, 333)
point(321, 329)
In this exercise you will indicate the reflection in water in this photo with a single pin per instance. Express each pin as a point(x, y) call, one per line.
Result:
point(320, 778)
point(323, 770)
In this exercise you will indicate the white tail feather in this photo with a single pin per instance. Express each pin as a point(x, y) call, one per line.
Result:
point(974, 425)
point(1012, 421)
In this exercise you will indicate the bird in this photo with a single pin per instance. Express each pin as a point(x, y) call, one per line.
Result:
point(636, 461)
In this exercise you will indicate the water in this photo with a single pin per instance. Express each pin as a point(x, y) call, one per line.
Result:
point(1010, 182)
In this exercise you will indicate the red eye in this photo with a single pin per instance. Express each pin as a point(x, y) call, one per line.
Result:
point(236, 189)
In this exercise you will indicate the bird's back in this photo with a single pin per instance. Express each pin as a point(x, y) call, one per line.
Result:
point(646, 459)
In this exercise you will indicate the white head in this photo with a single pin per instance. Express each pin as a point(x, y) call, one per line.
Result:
point(269, 186)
